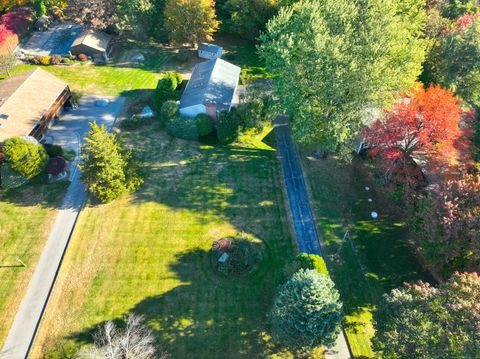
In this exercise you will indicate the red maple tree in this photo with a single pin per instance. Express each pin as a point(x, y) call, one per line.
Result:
point(426, 122)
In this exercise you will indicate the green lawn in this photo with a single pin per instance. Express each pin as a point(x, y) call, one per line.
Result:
point(26, 216)
point(149, 253)
point(375, 258)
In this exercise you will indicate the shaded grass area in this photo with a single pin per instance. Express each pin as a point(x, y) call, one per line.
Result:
point(374, 257)
point(26, 215)
point(149, 253)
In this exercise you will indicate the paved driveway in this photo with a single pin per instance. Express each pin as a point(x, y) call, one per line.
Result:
point(74, 124)
point(306, 235)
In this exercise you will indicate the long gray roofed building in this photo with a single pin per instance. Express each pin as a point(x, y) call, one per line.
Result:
point(211, 88)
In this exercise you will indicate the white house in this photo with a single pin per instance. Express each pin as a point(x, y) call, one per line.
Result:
point(211, 89)
point(210, 51)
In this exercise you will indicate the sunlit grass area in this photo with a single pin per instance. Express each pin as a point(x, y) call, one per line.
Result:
point(149, 253)
point(26, 215)
point(373, 257)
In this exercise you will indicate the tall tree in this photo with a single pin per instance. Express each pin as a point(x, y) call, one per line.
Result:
point(248, 17)
point(454, 61)
point(428, 121)
point(420, 321)
point(336, 58)
point(107, 167)
point(99, 14)
point(135, 341)
point(307, 311)
point(447, 222)
point(190, 21)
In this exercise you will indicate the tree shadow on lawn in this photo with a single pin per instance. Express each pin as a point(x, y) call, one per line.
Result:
point(37, 192)
point(377, 255)
point(237, 184)
point(209, 316)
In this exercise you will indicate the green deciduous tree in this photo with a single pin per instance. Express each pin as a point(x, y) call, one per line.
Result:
point(454, 62)
point(307, 311)
point(108, 170)
point(26, 158)
point(248, 17)
point(420, 321)
point(337, 58)
point(190, 21)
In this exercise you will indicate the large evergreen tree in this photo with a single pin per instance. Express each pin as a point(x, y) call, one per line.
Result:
point(335, 59)
point(307, 311)
point(107, 168)
point(190, 21)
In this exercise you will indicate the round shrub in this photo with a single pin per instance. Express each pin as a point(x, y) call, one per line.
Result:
point(26, 158)
point(227, 126)
point(82, 57)
point(182, 127)
point(56, 59)
point(44, 60)
point(244, 252)
point(169, 110)
point(67, 61)
point(204, 124)
point(306, 261)
point(54, 150)
point(166, 89)
point(307, 311)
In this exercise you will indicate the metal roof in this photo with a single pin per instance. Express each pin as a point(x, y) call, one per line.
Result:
point(214, 49)
point(213, 81)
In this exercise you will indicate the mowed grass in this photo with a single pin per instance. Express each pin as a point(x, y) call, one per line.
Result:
point(374, 258)
point(26, 215)
point(149, 253)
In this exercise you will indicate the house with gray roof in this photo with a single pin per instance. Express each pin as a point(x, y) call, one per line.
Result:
point(210, 51)
point(211, 89)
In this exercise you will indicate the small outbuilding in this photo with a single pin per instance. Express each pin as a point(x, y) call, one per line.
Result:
point(210, 51)
point(211, 89)
point(93, 43)
point(29, 103)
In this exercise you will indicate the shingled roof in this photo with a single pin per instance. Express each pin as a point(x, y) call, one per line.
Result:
point(213, 81)
point(24, 99)
point(94, 39)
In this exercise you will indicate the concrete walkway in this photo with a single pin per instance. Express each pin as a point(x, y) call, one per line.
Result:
point(308, 240)
point(32, 307)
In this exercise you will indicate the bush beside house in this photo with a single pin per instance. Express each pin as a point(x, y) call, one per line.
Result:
point(168, 111)
point(167, 88)
point(204, 124)
point(26, 158)
point(182, 127)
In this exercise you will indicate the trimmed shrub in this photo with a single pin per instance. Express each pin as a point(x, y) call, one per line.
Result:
point(182, 127)
point(306, 261)
point(307, 311)
point(67, 61)
point(54, 150)
point(227, 126)
point(166, 88)
point(82, 57)
point(169, 110)
point(56, 59)
point(26, 158)
point(179, 78)
point(45, 60)
point(204, 124)
point(69, 155)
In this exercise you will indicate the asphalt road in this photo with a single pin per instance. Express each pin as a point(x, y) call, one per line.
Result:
point(30, 312)
point(306, 235)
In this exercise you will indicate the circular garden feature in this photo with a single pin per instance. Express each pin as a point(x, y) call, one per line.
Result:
point(237, 255)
